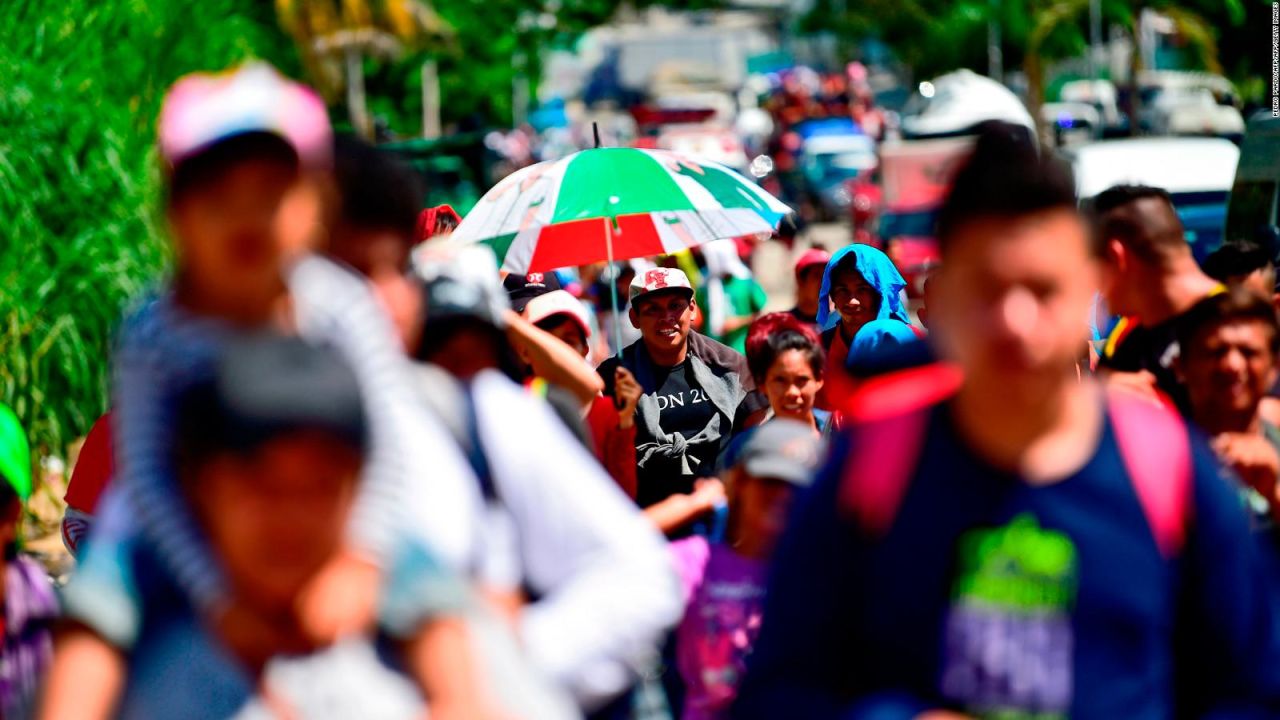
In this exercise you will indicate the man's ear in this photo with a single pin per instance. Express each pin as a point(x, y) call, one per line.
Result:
point(1116, 254)
point(635, 319)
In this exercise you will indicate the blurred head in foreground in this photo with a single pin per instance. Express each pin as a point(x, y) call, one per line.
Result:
point(776, 462)
point(1228, 358)
point(464, 324)
point(1018, 269)
point(237, 148)
point(269, 450)
point(378, 198)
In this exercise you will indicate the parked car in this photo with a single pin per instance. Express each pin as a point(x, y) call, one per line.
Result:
point(1198, 114)
point(1185, 103)
point(833, 152)
point(1101, 95)
point(1197, 173)
point(1070, 122)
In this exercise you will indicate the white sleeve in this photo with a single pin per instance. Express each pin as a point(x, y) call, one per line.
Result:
point(607, 590)
point(415, 478)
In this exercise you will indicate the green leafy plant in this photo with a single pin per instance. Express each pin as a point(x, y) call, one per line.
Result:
point(82, 234)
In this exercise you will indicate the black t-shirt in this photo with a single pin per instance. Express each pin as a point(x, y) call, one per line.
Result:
point(691, 429)
point(1154, 349)
point(691, 433)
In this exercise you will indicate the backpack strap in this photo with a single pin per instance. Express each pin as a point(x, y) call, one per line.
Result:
point(473, 448)
point(1156, 450)
point(889, 418)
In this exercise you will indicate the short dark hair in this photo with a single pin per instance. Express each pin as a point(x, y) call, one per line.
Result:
point(1233, 305)
point(195, 172)
point(377, 190)
point(1110, 217)
point(1006, 176)
point(775, 333)
point(1117, 196)
point(1236, 259)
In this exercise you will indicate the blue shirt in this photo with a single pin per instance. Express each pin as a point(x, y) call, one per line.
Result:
point(993, 597)
point(177, 668)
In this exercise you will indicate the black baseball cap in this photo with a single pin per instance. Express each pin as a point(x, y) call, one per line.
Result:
point(265, 385)
point(523, 288)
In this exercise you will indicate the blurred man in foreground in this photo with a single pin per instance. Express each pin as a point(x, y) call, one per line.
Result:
point(268, 451)
point(1020, 547)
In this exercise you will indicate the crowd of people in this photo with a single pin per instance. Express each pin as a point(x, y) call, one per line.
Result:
point(351, 470)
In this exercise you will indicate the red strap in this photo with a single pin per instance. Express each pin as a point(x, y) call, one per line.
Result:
point(882, 461)
point(902, 391)
point(890, 415)
point(1156, 450)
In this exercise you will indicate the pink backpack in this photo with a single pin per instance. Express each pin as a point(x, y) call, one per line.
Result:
point(891, 414)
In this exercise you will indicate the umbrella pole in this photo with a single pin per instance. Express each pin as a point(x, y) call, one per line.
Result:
point(613, 288)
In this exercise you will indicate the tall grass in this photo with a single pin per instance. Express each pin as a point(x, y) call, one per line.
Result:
point(80, 233)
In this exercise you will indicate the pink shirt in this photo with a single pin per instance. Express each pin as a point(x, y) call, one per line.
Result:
point(724, 599)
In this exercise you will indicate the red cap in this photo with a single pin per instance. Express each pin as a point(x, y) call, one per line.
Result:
point(812, 256)
point(94, 468)
point(429, 219)
point(660, 278)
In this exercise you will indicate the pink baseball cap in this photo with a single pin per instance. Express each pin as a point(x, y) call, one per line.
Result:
point(203, 109)
point(557, 302)
point(659, 278)
point(812, 256)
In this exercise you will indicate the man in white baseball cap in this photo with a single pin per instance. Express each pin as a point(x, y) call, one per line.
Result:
point(696, 394)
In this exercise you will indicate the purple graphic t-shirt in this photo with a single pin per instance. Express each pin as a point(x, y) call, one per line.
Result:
point(724, 598)
point(30, 607)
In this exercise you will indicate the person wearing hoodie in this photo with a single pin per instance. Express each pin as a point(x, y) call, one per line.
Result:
point(860, 285)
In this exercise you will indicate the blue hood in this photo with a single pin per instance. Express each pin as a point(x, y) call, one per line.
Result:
point(876, 341)
point(878, 270)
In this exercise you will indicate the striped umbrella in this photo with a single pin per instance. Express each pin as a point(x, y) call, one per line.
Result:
point(614, 204)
